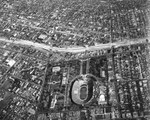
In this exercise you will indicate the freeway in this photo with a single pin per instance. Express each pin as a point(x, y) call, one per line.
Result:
point(74, 49)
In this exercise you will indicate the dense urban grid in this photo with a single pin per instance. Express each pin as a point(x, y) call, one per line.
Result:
point(74, 60)
point(64, 23)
